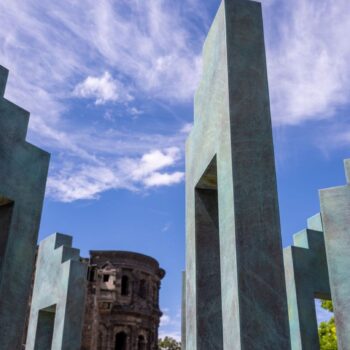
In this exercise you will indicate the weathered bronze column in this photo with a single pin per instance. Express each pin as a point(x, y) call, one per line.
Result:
point(236, 297)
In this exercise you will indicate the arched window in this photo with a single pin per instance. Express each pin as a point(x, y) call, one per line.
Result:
point(120, 341)
point(141, 344)
point(125, 285)
point(143, 289)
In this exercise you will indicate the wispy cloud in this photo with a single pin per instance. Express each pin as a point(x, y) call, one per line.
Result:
point(87, 180)
point(308, 57)
point(166, 227)
point(186, 128)
point(123, 51)
point(146, 41)
point(107, 52)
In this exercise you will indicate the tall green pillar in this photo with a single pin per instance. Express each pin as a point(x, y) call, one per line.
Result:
point(235, 290)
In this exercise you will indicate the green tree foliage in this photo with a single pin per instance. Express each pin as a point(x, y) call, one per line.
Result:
point(327, 304)
point(327, 331)
point(169, 343)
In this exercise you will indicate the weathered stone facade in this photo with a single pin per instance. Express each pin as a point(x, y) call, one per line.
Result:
point(122, 305)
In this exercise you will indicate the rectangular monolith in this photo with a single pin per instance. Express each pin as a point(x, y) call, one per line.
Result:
point(235, 291)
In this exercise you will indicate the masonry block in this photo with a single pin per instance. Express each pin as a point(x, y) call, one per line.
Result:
point(57, 310)
point(23, 173)
point(306, 279)
point(235, 290)
point(335, 209)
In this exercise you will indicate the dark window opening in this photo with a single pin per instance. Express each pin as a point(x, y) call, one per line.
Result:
point(45, 328)
point(155, 296)
point(6, 210)
point(125, 285)
point(143, 289)
point(141, 344)
point(120, 341)
point(91, 274)
point(105, 278)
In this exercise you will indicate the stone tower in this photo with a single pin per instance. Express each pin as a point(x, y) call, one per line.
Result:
point(122, 305)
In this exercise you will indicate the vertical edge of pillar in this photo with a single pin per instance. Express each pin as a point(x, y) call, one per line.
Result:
point(183, 312)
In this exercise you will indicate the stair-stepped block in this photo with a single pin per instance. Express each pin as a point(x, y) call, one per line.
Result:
point(23, 174)
point(306, 279)
point(56, 315)
point(335, 209)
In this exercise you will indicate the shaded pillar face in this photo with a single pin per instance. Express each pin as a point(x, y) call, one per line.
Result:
point(6, 208)
point(209, 314)
point(45, 328)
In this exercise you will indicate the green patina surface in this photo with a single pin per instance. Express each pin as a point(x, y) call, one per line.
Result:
point(318, 267)
point(56, 315)
point(23, 173)
point(335, 209)
point(235, 290)
point(306, 279)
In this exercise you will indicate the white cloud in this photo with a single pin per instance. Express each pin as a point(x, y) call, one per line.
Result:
point(134, 111)
point(74, 181)
point(308, 57)
point(153, 161)
point(170, 326)
point(186, 128)
point(54, 45)
point(151, 49)
point(165, 320)
point(86, 182)
point(165, 179)
point(103, 89)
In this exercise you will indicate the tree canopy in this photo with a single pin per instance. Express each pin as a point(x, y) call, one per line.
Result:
point(327, 331)
point(169, 343)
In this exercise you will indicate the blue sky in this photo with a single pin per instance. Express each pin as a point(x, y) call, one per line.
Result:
point(110, 85)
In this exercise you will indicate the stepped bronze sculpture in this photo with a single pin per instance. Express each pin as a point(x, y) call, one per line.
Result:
point(23, 173)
